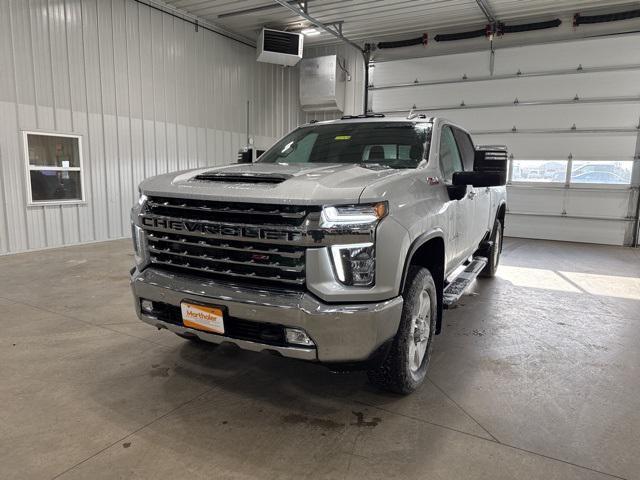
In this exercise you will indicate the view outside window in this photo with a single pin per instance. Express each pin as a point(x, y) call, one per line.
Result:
point(547, 171)
point(602, 172)
point(54, 165)
point(582, 172)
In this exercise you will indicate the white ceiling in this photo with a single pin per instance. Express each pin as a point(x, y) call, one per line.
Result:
point(367, 19)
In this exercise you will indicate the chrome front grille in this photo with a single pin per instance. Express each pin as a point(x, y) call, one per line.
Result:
point(244, 242)
point(229, 212)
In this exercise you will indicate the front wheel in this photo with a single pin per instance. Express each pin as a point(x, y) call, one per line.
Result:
point(494, 252)
point(405, 367)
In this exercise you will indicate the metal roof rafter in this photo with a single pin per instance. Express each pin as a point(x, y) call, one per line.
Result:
point(337, 32)
point(487, 11)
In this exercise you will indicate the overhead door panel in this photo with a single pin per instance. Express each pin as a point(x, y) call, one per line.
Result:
point(552, 87)
point(587, 115)
point(569, 114)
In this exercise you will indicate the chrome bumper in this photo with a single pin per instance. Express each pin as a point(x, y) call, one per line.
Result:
point(342, 333)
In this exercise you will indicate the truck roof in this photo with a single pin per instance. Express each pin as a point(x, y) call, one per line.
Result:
point(417, 118)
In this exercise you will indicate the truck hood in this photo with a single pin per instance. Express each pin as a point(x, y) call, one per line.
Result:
point(270, 183)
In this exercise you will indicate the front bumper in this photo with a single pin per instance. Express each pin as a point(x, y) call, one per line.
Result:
point(342, 333)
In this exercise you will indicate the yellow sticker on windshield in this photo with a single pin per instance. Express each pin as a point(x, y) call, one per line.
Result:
point(343, 137)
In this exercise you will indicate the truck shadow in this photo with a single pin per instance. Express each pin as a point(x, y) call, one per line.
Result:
point(264, 376)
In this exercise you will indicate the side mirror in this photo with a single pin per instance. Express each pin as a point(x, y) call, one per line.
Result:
point(478, 179)
point(491, 160)
point(245, 155)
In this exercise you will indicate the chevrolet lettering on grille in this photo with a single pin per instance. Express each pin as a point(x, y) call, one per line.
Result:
point(239, 231)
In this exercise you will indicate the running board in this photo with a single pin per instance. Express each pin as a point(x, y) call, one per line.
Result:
point(454, 290)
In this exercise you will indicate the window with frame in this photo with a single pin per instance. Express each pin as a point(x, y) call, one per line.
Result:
point(450, 161)
point(582, 172)
point(54, 168)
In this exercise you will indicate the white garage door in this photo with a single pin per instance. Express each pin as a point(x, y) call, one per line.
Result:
point(569, 113)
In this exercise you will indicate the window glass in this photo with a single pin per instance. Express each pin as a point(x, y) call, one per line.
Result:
point(467, 150)
point(450, 160)
point(390, 152)
point(298, 152)
point(546, 171)
point(54, 166)
point(391, 144)
point(48, 185)
point(51, 151)
point(607, 172)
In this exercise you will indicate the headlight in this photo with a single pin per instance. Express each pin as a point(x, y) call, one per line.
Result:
point(348, 215)
point(139, 245)
point(141, 255)
point(354, 264)
point(141, 197)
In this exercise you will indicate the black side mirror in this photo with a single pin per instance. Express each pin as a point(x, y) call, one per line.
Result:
point(491, 159)
point(456, 192)
point(478, 179)
point(245, 155)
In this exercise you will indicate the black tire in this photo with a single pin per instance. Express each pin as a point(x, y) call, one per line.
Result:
point(494, 252)
point(396, 373)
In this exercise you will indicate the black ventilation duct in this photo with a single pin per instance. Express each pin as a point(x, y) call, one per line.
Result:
point(609, 17)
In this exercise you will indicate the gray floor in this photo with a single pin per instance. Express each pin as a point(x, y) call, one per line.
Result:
point(537, 375)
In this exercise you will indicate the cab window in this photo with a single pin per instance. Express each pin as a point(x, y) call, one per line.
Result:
point(450, 160)
point(466, 148)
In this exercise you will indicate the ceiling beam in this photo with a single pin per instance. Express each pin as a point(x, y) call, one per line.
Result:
point(295, 8)
point(261, 8)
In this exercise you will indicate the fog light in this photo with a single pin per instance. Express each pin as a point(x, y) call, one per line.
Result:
point(146, 306)
point(298, 337)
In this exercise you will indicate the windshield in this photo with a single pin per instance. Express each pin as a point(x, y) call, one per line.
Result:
point(391, 144)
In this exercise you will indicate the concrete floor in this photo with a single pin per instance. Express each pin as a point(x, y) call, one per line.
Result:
point(537, 375)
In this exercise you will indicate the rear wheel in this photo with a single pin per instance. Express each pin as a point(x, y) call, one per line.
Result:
point(494, 252)
point(405, 367)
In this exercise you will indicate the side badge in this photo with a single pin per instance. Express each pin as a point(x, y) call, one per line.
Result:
point(433, 180)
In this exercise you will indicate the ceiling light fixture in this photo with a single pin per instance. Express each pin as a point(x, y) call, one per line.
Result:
point(310, 31)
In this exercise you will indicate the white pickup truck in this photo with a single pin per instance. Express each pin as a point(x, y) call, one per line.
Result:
point(342, 244)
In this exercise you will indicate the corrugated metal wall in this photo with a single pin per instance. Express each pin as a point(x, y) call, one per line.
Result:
point(146, 91)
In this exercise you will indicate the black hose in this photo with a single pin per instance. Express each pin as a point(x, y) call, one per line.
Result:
point(609, 17)
point(529, 27)
point(405, 43)
point(448, 37)
point(500, 29)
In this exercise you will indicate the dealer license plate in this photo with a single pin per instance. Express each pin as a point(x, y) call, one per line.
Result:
point(208, 319)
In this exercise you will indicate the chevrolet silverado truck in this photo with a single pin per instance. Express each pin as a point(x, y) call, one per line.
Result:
point(342, 244)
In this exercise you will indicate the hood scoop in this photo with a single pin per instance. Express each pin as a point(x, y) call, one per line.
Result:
point(241, 177)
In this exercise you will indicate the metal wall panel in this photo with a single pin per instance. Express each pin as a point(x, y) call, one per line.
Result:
point(147, 92)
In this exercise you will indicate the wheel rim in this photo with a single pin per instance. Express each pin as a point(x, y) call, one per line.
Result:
point(498, 244)
point(420, 332)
